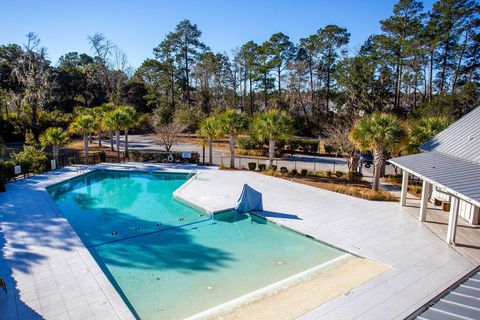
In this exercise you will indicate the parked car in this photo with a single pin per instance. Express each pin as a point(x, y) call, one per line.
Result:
point(366, 159)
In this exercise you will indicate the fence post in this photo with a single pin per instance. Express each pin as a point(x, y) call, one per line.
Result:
point(314, 166)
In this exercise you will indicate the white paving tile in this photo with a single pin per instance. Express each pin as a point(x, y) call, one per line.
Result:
point(421, 263)
point(57, 278)
point(42, 257)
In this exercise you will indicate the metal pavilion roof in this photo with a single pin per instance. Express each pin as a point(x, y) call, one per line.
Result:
point(451, 159)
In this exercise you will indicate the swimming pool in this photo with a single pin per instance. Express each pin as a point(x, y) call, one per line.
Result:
point(170, 261)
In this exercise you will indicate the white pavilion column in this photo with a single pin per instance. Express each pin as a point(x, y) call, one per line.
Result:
point(403, 194)
point(424, 202)
point(452, 220)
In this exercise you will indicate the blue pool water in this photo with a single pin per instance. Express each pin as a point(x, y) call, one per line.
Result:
point(168, 260)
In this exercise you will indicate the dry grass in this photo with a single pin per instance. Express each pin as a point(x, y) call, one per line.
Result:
point(364, 193)
point(360, 189)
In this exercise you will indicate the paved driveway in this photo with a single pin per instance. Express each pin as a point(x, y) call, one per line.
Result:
point(296, 161)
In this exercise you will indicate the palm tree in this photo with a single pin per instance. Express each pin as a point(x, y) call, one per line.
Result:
point(116, 120)
point(55, 137)
point(425, 129)
point(131, 118)
point(99, 114)
point(271, 126)
point(231, 123)
point(84, 126)
point(210, 130)
point(378, 133)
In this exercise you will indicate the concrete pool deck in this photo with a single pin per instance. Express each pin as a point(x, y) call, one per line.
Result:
point(421, 264)
point(48, 271)
point(51, 275)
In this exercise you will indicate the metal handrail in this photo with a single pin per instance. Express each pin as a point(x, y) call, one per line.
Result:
point(194, 173)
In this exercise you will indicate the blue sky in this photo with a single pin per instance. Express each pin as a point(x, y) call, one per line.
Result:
point(138, 26)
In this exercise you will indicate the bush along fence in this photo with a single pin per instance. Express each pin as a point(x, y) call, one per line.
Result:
point(10, 170)
point(298, 163)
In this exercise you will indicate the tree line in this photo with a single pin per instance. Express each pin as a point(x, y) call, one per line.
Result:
point(422, 63)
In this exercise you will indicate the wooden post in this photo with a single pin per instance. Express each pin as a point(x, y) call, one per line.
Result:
point(452, 220)
point(424, 202)
point(403, 194)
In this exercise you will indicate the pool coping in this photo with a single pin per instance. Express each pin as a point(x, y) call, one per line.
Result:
point(40, 183)
point(452, 262)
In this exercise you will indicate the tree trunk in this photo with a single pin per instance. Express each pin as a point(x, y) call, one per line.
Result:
point(271, 151)
point(444, 65)
point(55, 153)
point(210, 152)
point(34, 117)
point(232, 141)
point(251, 94)
point(265, 89)
point(399, 85)
point(327, 98)
point(310, 71)
point(279, 81)
point(173, 88)
point(126, 142)
point(244, 96)
point(377, 163)
point(430, 81)
point(415, 90)
point(85, 147)
point(111, 139)
point(186, 77)
point(459, 64)
point(117, 136)
point(100, 139)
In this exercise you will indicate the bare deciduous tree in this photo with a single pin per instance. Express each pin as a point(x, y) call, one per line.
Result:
point(339, 140)
point(166, 135)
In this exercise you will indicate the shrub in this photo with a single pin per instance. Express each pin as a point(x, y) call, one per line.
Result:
point(102, 156)
point(262, 166)
point(247, 143)
point(294, 172)
point(222, 166)
point(292, 145)
point(354, 175)
point(309, 146)
point(329, 148)
point(31, 159)
point(283, 170)
point(328, 174)
point(251, 153)
point(271, 172)
point(7, 168)
point(273, 167)
point(339, 174)
point(252, 165)
point(71, 161)
point(393, 178)
point(304, 172)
